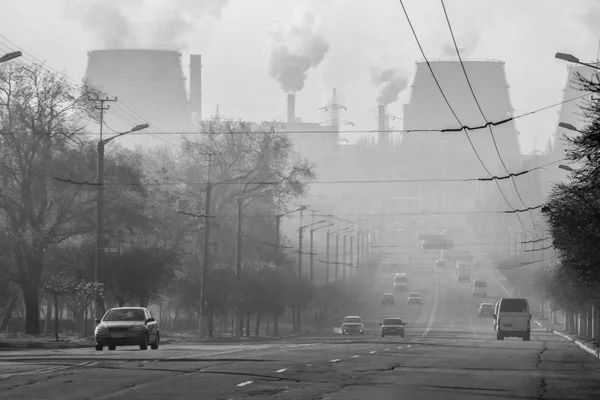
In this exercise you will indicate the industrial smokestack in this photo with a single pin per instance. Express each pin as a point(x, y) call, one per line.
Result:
point(382, 126)
point(291, 108)
point(196, 86)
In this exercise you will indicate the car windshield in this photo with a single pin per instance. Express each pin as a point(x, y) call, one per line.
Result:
point(513, 305)
point(125, 314)
point(352, 320)
point(490, 306)
point(392, 321)
point(414, 295)
point(388, 295)
point(480, 284)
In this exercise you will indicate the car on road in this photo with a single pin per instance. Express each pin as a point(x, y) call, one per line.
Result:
point(387, 299)
point(352, 325)
point(414, 298)
point(479, 288)
point(486, 309)
point(441, 263)
point(400, 287)
point(392, 327)
point(512, 319)
point(127, 326)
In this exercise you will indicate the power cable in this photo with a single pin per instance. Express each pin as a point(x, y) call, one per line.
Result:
point(462, 64)
point(452, 110)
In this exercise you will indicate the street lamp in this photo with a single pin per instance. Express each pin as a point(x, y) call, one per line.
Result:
point(344, 265)
point(337, 253)
point(312, 231)
point(567, 168)
point(278, 223)
point(10, 56)
point(99, 264)
point(300, 230)
point(571, 58)
point(568, 126)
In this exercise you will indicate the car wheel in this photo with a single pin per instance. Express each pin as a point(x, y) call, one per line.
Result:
point(112, 347)
point(402, 335)
point(154, 346)
point(144, 344)
point(527, 337)
point(99, 347)
point(499, 336)
point(382, 335)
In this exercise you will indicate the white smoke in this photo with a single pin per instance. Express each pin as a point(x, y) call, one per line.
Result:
point(466, 42)
point(175, 24)
point(391, 82)
point(294, 49)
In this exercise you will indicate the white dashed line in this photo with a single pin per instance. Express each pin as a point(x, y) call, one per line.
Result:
point(435, 303)
point(408, 345)
point(399, 347)
point(355, 356)
point(244, 383)
point(387, 349)
point(94, 363)
point(281, 370)
point(335, 360)
point(372, 352)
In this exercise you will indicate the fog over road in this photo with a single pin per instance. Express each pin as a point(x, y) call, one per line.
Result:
point(448, 353)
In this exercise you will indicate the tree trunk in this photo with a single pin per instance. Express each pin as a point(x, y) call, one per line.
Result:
point(8, 314)
point(48, 316)
point(257, 327)
point(31, 298)
point(294, 310)
point(247, 325)
point(56, 316)
point(268, 325)
point(232, 324)
point(211, 323)
point(275, 324)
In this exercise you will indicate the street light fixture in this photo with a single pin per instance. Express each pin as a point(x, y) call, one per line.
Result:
point(571, 58)
point(99, 264)
point(10, 56)
point(568, 126)
point(566, 168)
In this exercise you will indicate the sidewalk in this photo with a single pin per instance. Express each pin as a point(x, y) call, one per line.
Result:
point(588, 345)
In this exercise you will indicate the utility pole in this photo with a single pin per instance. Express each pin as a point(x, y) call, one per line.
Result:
point(204, 315)
point(99, 259)
point(238, 260)
point(344, 258)
point(327, 259)
point(312, 234)
point(352, 254)
point(337, 256)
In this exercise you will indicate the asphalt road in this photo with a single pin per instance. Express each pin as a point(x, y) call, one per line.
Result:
point(448, 353)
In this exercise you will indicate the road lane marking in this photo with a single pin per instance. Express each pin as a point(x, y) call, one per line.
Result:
point(335, 360)
point(281, 370)
point(244, 383)
point(372, 352)
point(94, 363)
point(355, 356)
point(399, 347)
point(387, 349)
point(408, 345)
point(435, 303)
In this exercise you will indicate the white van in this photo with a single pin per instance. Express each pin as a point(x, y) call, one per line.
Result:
point(512, 319)
point(479, 288)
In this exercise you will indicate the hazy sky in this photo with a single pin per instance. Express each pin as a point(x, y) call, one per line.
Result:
point(356, 37)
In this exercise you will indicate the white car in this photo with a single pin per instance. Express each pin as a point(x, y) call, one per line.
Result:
point(353, 325)
point(414, 298)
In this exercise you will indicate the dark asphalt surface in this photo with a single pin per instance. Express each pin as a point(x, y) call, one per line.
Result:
point(448, 353)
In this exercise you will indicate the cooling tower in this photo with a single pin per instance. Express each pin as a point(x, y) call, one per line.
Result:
point(435, 155)
point(149, 84)
point(196, 86)
point(291, 108)
point(382, 127)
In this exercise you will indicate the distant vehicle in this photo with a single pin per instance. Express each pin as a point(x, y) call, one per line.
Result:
point(463, 272)
point(414, 298)
point(392, 327)
point(400, 287)
point(400, 278)
point(479, 288)
point(127, 326)
point(387, 299)
point(512, 319)
point(352, 325)
point(441, 263)
point(486, 309)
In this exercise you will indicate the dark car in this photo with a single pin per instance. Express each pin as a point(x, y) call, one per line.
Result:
point(414, 298)
point(441, 263)
point(486, 309)
point(127, 326)
point(392, 327)
point(387, 299)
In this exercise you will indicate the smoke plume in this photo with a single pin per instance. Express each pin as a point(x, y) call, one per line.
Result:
point(467, 42)
point(175, 24)
point(294, 49)
point(391, 83)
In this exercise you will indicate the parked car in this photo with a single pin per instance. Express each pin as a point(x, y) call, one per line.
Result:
point(127, 326)
point(486, 309)
point(414, 298)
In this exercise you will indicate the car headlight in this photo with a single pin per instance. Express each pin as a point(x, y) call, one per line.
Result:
point(100, 329)
point(138, 328)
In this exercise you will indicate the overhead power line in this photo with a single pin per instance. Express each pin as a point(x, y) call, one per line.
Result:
point(453, 112)
point(487, 123)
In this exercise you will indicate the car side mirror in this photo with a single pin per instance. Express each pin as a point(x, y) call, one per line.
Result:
point(150, 320)
point(494, 316)
point(380, 324)
point(96, 321)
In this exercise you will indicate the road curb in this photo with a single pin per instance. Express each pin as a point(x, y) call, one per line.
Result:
point(42, 345)
point(583, 346)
